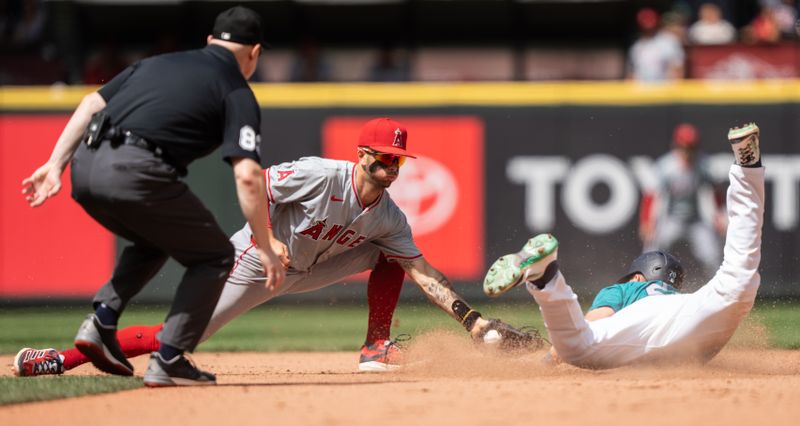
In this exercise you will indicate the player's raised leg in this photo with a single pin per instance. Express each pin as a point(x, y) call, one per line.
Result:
point(733, 289)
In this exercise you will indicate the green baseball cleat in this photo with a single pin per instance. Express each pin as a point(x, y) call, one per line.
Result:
point(528, 264)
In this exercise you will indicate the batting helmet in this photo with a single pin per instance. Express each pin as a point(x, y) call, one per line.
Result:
point(657, 265)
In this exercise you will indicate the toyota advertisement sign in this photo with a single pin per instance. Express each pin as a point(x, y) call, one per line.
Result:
point(486, 179)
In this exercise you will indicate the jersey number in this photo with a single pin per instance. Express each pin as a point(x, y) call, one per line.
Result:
point(248, 138)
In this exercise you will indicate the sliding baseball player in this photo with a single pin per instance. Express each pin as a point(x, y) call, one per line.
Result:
point(650, 320)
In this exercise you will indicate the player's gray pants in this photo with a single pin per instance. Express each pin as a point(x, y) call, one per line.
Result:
point(678, 327)
point(245, 288)
point(702, 238)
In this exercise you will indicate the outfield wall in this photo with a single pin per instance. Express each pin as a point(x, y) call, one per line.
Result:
point(498, 163)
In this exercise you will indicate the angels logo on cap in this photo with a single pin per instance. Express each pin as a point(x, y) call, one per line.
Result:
point(398, 138)
point(385, 135)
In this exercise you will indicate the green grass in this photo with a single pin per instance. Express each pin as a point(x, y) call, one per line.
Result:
point(288, 327)
point(269, 328)
point(782, 321)
point(28, 389)
point(284, 327)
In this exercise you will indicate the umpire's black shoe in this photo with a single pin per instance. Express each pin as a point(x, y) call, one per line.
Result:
point(99, 343)
point(178, 371)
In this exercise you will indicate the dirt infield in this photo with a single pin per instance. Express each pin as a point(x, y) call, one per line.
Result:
point(460, 385)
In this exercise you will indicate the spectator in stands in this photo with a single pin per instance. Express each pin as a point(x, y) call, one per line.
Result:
point(104, 64)
point(6, 22)
point(710, 27)
point(390, 65)
point(656, 55)
point(30, 27)
point(673, 24)
point(309, 64)
point(763, 29)
point(785, 12)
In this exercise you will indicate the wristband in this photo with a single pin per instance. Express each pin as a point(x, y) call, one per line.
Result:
point(466, 315)
point(470, 319)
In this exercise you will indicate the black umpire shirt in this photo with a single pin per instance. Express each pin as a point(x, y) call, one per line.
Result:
point(188, 103)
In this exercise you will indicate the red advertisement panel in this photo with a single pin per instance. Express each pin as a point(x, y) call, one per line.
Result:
point(736, 62)
point(55, 249)
point(441, 192)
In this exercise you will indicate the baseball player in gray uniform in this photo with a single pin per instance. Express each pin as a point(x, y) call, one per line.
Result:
point(684, 205)
point(330, 219)
point(667, 326)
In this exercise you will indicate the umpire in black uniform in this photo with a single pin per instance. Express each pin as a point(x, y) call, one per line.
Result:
point(132, 141)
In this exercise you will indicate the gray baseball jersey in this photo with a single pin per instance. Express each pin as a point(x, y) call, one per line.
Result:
point(682, 193)
point(679, 186)
point(317, 213)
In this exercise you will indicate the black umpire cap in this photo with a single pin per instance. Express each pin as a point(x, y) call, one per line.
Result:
point(239, 25)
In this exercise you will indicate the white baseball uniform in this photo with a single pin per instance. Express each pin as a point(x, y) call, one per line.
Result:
point(330, 234)
point(679, 327)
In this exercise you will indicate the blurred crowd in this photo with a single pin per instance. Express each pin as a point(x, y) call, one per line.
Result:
point(658, 49)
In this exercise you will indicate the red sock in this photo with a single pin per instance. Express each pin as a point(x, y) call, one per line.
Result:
point(134, 341)
point(383, 291)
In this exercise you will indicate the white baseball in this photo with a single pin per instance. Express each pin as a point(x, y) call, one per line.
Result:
point(492, 337)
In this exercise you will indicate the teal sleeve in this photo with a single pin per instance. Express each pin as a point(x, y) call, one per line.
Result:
point(609, 296)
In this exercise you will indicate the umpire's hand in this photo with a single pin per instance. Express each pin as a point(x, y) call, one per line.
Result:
point(44, 183)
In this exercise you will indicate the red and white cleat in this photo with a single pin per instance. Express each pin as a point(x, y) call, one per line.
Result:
point(37, 362)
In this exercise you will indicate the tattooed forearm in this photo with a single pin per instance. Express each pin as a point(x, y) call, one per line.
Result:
point(441, 293)
point(433, 283)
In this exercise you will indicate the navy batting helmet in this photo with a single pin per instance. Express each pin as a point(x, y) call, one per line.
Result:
point(657, 265)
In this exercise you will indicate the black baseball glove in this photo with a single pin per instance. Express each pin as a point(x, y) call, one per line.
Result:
point(513, 339)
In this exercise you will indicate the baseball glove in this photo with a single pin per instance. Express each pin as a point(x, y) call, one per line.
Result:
point(513, 339)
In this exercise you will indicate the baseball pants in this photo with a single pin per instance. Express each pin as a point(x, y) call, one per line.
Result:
point(679, 327)
point(245, 287)
point(136, 195)
point(701, 236)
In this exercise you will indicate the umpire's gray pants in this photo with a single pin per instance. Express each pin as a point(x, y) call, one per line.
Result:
point(245, 287)
point(134, 194)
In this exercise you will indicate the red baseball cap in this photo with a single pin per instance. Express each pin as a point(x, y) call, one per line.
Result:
point(647, 19)
point(385, 135)
point(685, 135)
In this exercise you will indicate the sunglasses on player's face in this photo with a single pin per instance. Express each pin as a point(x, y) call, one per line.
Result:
point(386, 159)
